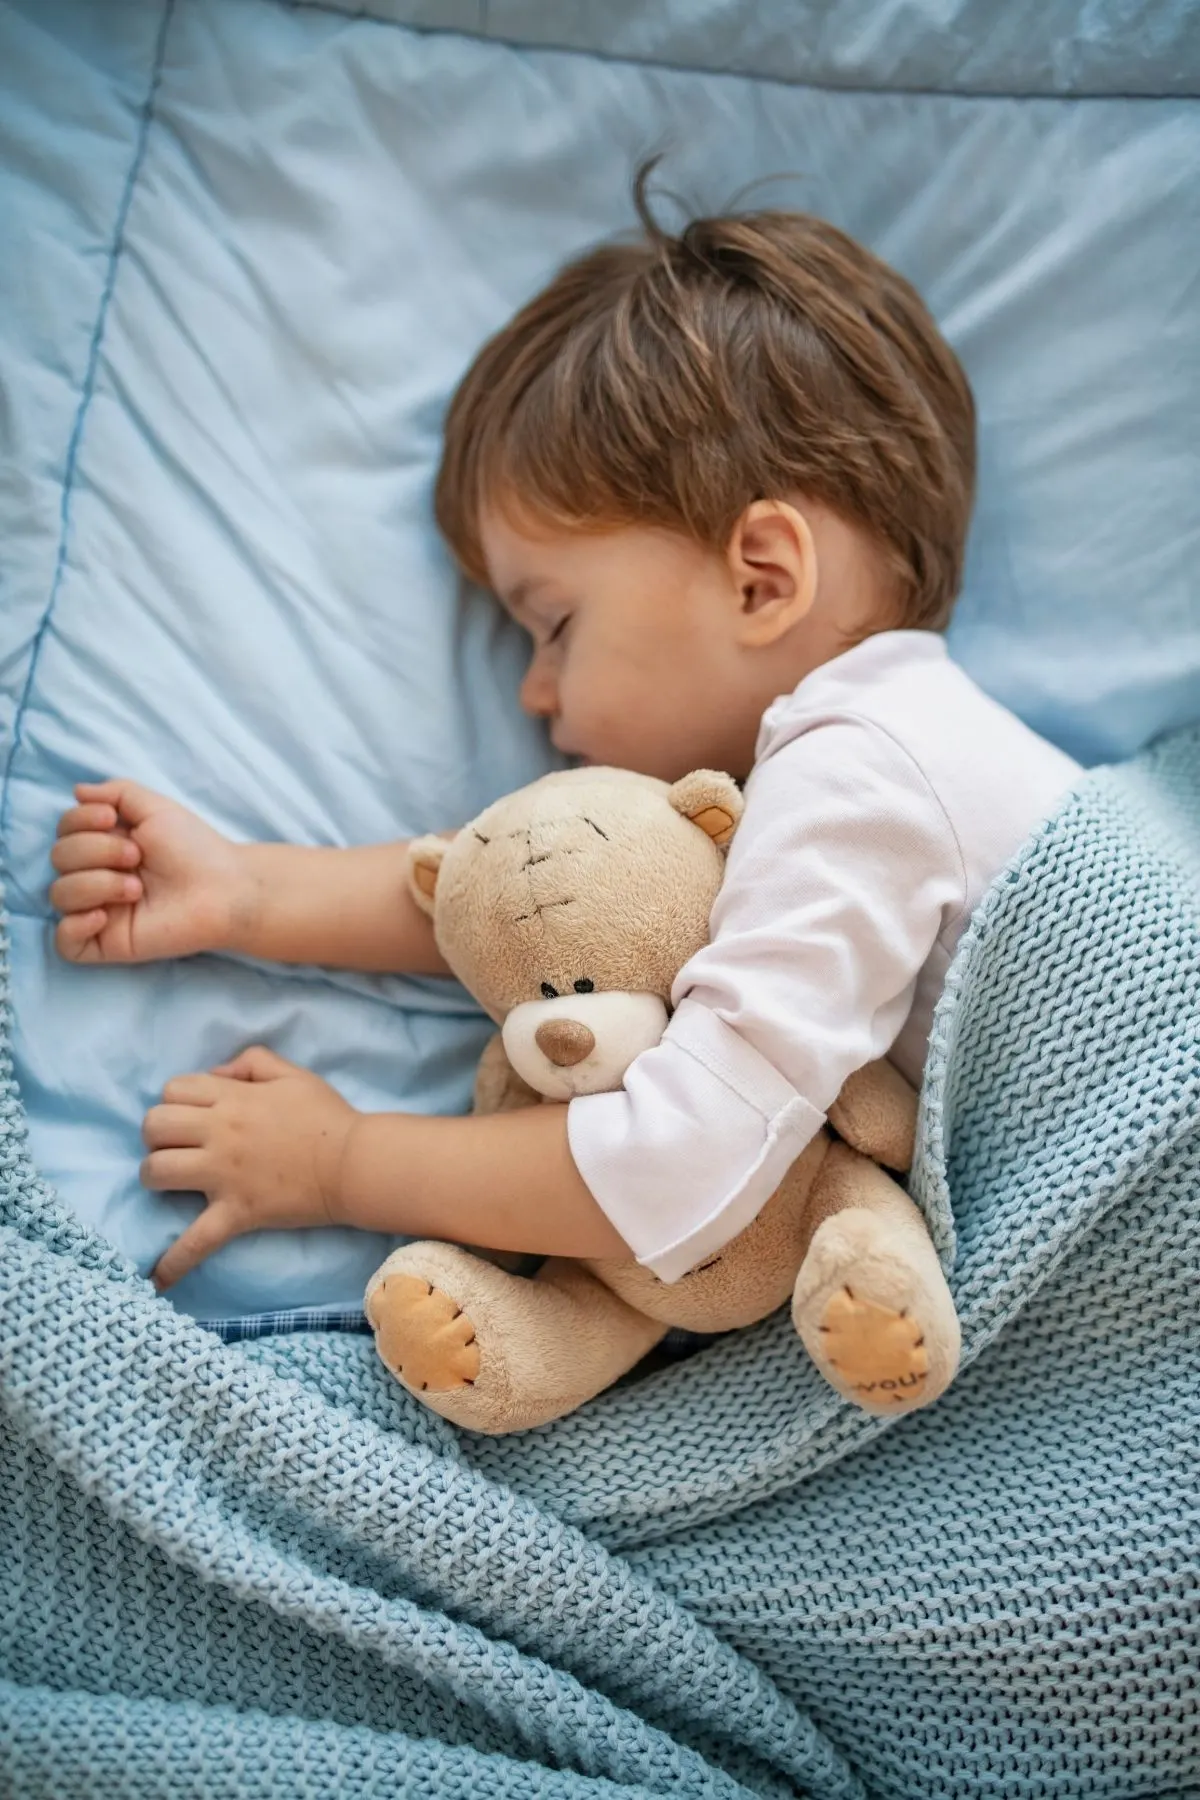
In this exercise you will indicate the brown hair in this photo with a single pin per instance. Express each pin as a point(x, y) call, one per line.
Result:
point(674, 380)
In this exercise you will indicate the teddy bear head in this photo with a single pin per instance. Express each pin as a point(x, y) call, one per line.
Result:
point(567, 909)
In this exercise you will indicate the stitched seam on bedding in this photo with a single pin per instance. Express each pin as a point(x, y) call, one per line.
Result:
point(1056, 96)
point(85, 398)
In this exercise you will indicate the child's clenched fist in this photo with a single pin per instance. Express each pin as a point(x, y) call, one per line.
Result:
point(141, 877)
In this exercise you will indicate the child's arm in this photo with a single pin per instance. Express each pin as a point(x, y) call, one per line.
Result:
point(272, 1146)
point(345, 909)
point(141, 877)
point(506, 1181)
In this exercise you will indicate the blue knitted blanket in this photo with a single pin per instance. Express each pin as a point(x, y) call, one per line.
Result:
point(261, 1569)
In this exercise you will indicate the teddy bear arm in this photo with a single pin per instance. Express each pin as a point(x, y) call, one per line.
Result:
point(498, 1087)
point(876, 1114)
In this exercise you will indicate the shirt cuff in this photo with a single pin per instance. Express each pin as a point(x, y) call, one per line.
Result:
point(691, 1149)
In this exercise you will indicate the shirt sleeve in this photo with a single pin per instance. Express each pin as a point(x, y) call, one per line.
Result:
point(842, 875)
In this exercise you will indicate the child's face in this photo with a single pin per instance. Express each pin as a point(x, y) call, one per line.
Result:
point(636, 654)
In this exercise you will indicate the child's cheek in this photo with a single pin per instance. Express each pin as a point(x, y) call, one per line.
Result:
point(591, 717)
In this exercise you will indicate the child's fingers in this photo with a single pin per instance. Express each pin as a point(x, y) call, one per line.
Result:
point(175, 1127)
point(255, 1064)
point(94, 850)
point(192, 1090)
point(75, 937)
point(216, 1225)
point(132, 801)
point(92, 888)
point(173, 1171)
point(87, 818)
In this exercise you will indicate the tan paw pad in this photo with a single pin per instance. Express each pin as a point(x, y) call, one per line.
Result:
point(423, 1335)
point(876, 1353)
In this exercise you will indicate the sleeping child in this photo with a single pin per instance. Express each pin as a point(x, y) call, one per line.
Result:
point(723, 479)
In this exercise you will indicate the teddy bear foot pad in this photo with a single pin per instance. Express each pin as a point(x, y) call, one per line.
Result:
point(878, 1353)
point(875, 1315)
point(424, 1335)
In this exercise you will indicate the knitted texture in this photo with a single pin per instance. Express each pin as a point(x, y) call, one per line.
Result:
point(260, 1568)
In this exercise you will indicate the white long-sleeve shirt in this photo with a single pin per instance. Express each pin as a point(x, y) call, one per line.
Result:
point(887, 792)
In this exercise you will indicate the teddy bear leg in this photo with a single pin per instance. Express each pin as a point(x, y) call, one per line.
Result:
point(496, 1352)
point(871, 1303)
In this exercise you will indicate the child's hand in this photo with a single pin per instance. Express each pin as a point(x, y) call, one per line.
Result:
point(141, 877)
point(260, 1138)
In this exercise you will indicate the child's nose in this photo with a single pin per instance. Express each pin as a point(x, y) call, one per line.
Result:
point(539, 693)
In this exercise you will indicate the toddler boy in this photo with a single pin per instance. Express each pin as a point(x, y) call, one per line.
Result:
point(723, 479)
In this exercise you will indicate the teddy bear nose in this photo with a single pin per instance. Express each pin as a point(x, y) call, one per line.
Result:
point(565, 1041)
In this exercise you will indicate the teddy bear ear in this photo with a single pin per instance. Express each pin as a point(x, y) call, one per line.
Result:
point(424, 865)
point(711, 801)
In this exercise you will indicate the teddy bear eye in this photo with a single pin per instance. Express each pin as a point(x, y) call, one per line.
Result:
point(585, 987)
point(548, 992)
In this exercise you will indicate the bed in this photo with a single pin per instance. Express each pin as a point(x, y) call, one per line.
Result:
point(250, 247)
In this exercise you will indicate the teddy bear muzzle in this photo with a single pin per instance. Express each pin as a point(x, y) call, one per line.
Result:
point(581, 1043)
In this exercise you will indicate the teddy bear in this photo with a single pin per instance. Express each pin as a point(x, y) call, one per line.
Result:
point(567, 909)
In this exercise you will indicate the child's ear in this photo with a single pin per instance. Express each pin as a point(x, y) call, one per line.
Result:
point(711, 801)
point(773, 560)
point(424, 866)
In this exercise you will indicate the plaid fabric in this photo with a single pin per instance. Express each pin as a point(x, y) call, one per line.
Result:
point(299, 1318)
point(675, 1346)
